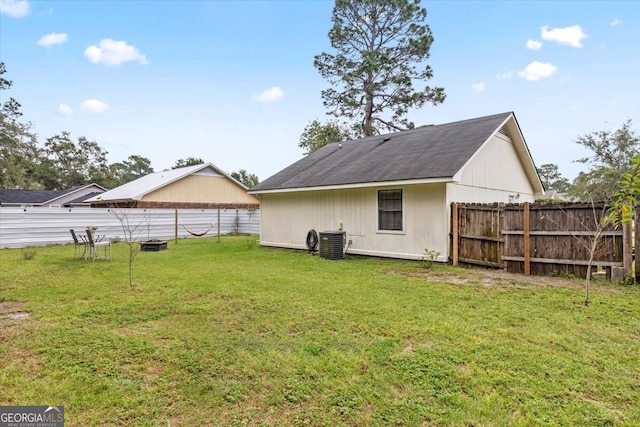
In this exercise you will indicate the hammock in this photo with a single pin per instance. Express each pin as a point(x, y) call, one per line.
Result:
point(198, 234)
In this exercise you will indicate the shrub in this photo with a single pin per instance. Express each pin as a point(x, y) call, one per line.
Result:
point(429, 257)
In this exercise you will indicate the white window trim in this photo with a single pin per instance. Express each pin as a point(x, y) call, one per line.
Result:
point(404, 211)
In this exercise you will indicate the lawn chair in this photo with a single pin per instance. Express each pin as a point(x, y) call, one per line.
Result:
point(79, 241)
point(95, 245)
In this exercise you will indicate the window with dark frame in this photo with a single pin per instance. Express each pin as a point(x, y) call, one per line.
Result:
point(390, 210)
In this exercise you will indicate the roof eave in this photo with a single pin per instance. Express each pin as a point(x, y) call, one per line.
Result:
point(529, 166)
point(100, 201)
point(356, 185)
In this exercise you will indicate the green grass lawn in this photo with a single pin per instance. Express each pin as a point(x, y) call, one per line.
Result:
point(232, 334)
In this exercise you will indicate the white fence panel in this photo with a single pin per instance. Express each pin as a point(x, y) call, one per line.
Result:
point(20, 227)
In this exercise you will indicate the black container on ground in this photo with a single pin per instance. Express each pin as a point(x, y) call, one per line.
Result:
point(153, 245)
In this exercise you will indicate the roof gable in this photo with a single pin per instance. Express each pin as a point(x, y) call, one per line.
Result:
point(137, 189)
point(427, 153)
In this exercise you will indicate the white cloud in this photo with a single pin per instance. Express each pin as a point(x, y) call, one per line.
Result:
point(14, 8)
point(94, 106)
point(65, 109)
point(271, 95)
point(537, 70)
point(53, 38)
point(477, 87)
point(504, 76)
point(113, 52)
point(616, 22)
point(571, 36)
point(533, 44)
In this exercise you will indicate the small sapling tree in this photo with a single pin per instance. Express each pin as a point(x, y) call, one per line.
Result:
point(132, 227)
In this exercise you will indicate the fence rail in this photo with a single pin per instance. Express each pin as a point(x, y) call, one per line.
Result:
point(539, 239)
point(21, 227)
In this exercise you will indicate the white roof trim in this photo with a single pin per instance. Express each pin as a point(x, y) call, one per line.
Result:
point(358, 185)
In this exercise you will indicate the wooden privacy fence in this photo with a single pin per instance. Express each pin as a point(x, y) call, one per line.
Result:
point(539, 239)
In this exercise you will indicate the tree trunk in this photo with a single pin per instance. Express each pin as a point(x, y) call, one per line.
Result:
point(627, 248)
point(368, 119)
point(592, 253)
point(131, 254)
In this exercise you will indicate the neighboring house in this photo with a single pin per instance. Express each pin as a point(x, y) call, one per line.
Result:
point(202, 186)
point(392, 194)
point(74, 196)
point(549, 195)
point(555, 196)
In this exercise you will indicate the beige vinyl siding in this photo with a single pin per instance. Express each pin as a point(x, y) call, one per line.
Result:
point(201, 189)
point(286, 219)
point(494, 174)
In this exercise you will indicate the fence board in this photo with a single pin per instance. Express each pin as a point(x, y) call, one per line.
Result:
point(478, 236)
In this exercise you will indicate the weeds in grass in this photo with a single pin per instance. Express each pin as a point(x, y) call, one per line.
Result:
point(429, 257)
point(251, 242)
point(627, 281)
point(28, 254)
point(564, 275)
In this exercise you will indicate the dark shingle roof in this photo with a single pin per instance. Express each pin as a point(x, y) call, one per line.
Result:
point(426, 152)
point(35, 197)
point(43, 197)
point(81, 199)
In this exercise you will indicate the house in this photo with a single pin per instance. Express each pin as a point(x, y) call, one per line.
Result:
point(74, 196)
point(203, 186)
point(391, 194)
point(554, 195)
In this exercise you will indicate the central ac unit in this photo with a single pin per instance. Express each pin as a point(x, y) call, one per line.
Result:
point(332, 244)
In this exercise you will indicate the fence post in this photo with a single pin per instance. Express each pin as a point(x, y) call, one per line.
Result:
point(527, 241)
point(455, 232)
point(627, 247)
point(637, 239)
point(175, 225)
point(218, 225)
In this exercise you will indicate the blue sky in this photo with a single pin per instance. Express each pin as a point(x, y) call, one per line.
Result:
point(234, 82)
